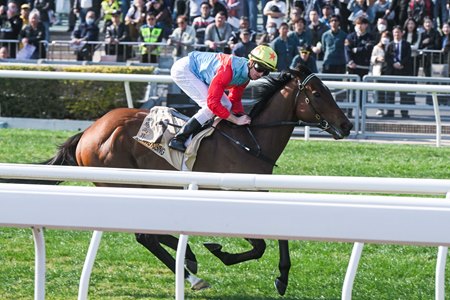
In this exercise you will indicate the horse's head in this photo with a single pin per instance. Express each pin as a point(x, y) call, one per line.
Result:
point(316, 104)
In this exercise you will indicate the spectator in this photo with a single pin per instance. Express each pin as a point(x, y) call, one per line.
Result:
point(245, 45)
point(81, 8)
point(10, 26)
point(150, 33)
point(317, 29)
point(294, 16)
point(333, 48)
point(244, 24)
point(163, 16)
point(108, 6)
point(379, 10)
point(327, 12)
point(116, 33)
point(218, 34)
point(183, 37)
point(440, 12)
point(381, 26)
point(400, 9)
point(445, 47)
point(45, 7)
point(86, 32)
point(34, 35)
point(235, 10)
point(378, 63)
point(301, 36)
point(251, 12)
point(358, 49)
point(419, 9)
point(218, 6)
point(270, 35)
point(25, 14)
point(306, 59)
point(398, 63)
point(284, 48)
point(194, 9)
point(72, 18)
point(412, 35)
point(430, 39)
point(135, 18)
point(200, 23)
point(4, 54)
point(360, 8)
point(275, 10)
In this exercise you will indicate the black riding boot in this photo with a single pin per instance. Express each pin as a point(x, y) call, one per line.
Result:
point(180, 138)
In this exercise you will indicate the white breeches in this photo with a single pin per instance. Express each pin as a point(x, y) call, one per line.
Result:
point(196, 89)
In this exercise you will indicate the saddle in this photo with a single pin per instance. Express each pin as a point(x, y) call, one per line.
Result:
point(160, 126)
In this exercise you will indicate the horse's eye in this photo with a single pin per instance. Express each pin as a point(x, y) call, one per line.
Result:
point(316, 94)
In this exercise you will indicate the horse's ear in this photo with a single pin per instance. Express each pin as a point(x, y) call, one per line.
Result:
point(300, 71)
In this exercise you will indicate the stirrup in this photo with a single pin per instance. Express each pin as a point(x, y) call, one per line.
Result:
point(176, 144)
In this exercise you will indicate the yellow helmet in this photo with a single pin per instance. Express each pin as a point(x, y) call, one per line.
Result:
point(265, 56)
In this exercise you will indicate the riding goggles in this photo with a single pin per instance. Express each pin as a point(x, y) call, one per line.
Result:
point(261, 69)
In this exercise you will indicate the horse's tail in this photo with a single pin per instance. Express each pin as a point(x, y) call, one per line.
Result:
point(66, 153)
point(64, 157)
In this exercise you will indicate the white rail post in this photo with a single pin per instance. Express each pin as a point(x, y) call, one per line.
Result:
point(440, 269)
point(307, 133)
point(351, 271)
point(39, 263)
point(128, 94)
point(180, 257)
point(88, 265)
point(437, 116)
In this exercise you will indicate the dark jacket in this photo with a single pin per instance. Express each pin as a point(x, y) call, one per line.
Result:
point(405, 60)
point(35, 38)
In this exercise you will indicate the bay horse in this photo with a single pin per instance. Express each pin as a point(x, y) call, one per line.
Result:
point(293, 97)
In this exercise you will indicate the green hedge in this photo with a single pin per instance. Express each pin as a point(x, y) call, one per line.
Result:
point(66, 99)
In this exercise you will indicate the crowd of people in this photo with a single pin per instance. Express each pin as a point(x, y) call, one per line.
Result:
point(350, 36)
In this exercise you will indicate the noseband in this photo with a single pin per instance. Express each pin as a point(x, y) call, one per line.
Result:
point(322, 123)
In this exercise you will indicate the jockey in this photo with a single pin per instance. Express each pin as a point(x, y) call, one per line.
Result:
point(204, 77)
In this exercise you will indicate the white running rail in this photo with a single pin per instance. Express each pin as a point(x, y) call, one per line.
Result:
point(380, 219)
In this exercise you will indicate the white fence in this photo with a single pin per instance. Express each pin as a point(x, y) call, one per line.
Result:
point(330, 217)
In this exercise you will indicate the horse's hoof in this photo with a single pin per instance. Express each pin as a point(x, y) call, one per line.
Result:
point(191, 265)
point(213, 247)
point(280, 286)
point(200, 285)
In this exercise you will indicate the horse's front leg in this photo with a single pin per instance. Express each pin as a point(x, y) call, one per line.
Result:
point(284, 266)
point(259, 247)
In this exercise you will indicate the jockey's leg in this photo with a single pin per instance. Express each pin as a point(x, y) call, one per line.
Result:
point(197, 90)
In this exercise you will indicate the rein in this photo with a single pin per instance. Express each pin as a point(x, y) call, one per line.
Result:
point(322, 124)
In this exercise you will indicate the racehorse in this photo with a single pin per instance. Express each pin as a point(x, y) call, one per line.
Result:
point(294, 98)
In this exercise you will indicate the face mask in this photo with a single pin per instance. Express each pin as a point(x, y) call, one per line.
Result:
point(271, 30)
point(357, 30)
point(385, 41)
point(381, 27)
point(89, 21)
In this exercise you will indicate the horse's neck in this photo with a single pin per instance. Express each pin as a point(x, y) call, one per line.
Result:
point(280, 108)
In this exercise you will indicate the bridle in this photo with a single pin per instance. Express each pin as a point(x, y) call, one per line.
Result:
point(322, 123)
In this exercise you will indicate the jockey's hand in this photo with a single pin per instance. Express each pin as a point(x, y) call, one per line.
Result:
point(242, 120)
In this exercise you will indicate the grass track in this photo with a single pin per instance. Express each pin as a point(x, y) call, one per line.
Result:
point(125, 270)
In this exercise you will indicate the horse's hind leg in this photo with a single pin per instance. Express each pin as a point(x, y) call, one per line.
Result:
point(152, 243)
point(259, 247)
point(284, 267)
point(172, 242)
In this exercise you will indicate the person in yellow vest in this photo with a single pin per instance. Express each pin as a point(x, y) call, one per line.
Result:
point(150, 33)
point(108, 6)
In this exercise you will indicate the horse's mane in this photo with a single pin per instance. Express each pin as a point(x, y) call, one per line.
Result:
point(265, 88)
